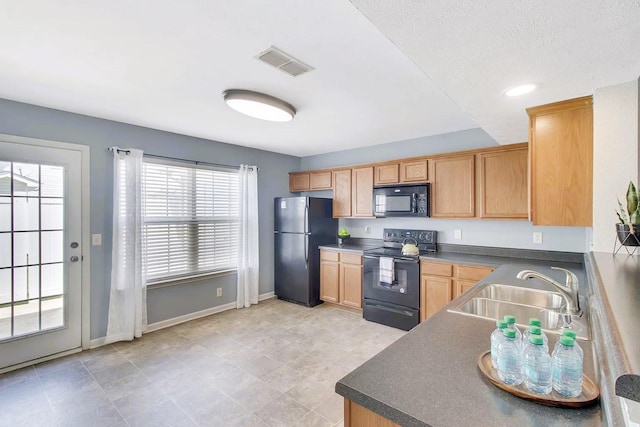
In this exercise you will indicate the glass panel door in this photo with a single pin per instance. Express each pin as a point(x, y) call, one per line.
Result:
point(40, 253)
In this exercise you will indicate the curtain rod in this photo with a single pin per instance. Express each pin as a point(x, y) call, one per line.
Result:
point(196, 162)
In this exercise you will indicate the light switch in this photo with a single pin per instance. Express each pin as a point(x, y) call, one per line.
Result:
point(96, 239)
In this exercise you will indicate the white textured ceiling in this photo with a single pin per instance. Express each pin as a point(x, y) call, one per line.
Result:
point(424, 68)
point(164, 64)
point(475, 49)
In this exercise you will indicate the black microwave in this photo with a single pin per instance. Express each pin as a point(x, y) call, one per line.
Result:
point(401, 200)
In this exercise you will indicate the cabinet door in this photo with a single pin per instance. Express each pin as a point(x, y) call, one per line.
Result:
point(437, 293)
point(320, 180)
point(561, 149)
point(387, 174)
point(329, 281)
point(453, 189)
point(351, 285)
point(462, 286)
point(503, 184)
point(414, 171)
point(362, 192)
point(298, 182)
point(342, 193)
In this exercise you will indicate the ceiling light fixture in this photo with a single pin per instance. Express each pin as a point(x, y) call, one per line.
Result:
point(519, 90)
point(259, 105)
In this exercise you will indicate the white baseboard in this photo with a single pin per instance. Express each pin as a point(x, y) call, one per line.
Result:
point(98, 342)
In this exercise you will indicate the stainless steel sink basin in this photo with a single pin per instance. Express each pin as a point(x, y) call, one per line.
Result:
point(493, 301)
point(493, 309)
point(527, 296)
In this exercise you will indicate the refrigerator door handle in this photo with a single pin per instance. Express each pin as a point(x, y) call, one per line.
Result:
point(306, 218)
point(306, 251)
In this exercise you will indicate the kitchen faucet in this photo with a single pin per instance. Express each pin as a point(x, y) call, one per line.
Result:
point(569, 291)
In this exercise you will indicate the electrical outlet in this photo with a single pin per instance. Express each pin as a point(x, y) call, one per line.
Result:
point(219, 292)
point(96, 239)
point(537, 237)
point(457, 234)
point(367, 229)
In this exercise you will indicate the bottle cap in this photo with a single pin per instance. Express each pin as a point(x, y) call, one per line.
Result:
point(535, 330)
point(536, 339)
point(565, 340)
point(509, 319)
point(569, 333)
point(509, 333)
point(534, 321)
point(501, 324)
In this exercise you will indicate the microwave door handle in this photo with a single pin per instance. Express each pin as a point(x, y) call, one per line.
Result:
point(415, 202)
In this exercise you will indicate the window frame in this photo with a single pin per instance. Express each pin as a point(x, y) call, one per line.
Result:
point(193, 276)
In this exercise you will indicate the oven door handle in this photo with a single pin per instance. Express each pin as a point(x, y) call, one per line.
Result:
point(405, 261)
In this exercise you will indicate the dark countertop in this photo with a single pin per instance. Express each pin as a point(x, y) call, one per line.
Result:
point(430, 377)
point(617, 281)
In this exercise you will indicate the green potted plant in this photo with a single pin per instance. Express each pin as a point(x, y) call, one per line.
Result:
point(628, 229)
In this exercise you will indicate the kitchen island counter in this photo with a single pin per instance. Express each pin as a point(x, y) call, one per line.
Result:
point(430, 377)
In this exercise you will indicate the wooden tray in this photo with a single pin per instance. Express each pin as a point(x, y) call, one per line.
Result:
point(589, 396)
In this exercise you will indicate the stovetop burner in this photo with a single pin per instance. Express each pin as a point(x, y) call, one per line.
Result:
point(394, 238)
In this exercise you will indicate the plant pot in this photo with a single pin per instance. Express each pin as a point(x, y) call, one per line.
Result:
point(625, 237)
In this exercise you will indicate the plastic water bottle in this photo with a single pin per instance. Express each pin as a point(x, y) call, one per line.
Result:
point(525, 335)
point(511, 322)
point(566, 368)
point(509, 358)
point(572, 334)
point(496, 337)
point(537, 366)
point(537, 331)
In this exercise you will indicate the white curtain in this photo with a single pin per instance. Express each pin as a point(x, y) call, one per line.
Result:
point(127, 304)
point(248, 264)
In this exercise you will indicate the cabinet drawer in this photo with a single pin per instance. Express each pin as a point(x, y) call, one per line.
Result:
point(468, 272)
point(436, 268)
point(350, 258)
point(329, 255)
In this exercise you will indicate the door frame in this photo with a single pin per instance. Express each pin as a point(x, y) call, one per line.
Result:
point(85, 286)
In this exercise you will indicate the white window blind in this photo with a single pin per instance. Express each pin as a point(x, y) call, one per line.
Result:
point(190, 220)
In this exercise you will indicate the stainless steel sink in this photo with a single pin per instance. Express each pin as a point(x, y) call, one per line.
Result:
point(533, 297)
point(493, 301)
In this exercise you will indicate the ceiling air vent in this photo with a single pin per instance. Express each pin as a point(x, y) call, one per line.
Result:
point(284, 62)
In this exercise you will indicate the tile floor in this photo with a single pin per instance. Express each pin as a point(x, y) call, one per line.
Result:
point(274, 364)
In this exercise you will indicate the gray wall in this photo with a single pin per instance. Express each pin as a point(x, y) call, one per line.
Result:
point(507, 234)
point(168, 302)
point(455, 141)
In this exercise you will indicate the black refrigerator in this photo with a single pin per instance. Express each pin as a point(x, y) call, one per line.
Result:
point(301, 224)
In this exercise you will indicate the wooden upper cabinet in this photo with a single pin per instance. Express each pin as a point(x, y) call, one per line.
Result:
point(321, 180)
point(503, 191)
point(299, 182)
point(342, 193)
point(387, 174)
point(561, 152)
point(453, 187)
point(362, 192)
point(414, 171)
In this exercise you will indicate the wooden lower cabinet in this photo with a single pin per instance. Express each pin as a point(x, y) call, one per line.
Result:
point(359, 416)
point(341, 278)
point(441, 282)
